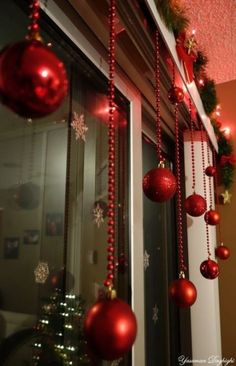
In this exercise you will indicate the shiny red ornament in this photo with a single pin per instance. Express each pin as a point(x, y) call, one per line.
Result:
point(212, 217)
point(222, 252)
point(209, 269)
point(110, 328)
point(183, 292)
point(33, 81)
point(159, 184)
point(176, 95)
point(195, 205)
point(210, 171)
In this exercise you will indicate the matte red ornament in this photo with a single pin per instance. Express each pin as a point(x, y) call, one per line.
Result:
point(159, 184)
point(183, 292)
point(110, 328)
point(212, 217)
point(195, 205)
point(222, 252)
point(210, 171)
point(33, 81)
point(209, 269)
point(176, 95)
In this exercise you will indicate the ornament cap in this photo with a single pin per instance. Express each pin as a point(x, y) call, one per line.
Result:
point(161, 164)
point(111, 294)
point(181, 274)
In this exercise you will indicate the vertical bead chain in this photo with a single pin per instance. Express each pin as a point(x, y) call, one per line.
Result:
point(158, 96)
point(33, 29)
point(182, 266)
point(209, 178)
point(204, 189)
point(109, 281)
point(216, 192)
point(192, 146)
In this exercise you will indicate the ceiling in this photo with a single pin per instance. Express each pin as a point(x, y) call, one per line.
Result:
point(215, 25)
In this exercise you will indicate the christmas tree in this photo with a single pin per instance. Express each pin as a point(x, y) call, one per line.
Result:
point(59, 332)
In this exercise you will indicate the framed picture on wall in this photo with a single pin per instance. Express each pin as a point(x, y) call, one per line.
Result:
point(11, 248)
point(31, 237)
point(54, 224)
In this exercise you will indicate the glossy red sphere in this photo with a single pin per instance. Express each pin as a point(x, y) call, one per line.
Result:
point(209, 269)
point(176, 95)
point(110, 328)
point(33, 81)
point(222, 252)
point(210, 171)
point(212, 217)
point(183, 292)
point(195, 205)
point(159, 184)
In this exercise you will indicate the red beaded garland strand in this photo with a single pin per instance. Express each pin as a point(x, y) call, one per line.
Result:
point(34, 17)
point(204, 188)
point(208, 268)
point(182, 266)
point(192, 146)
point(158, 97)
point(111, 152)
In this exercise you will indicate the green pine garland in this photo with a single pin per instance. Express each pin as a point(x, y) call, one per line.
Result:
point(225, 148)
point(208, 95)
point(173, 15)
point(200, 64)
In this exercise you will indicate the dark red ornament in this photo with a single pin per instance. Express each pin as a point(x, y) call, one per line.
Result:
point(61, 278)
point(33, 81)
point(210, 171)
point(122, 263)
point(183, 292)
point(159, 184)
point(209, 269)
point(110, 328)
point(176, 95)
point(212, 217)
point(222, 252)
point(195, 205)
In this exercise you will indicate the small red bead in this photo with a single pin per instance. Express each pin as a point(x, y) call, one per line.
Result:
point(107, 283)
point(110, 276)
point(110, 266)
point(110, 249)
point(111, 240)
point(110, 257)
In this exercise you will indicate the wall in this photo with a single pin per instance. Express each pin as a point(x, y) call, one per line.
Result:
point(226, 93)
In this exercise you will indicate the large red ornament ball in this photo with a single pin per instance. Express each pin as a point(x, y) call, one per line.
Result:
point(183, 292)
point(210, 171)
point(110, 328)
point(209, 269)
point(159, 184)
point(176, 95)
point(33, 81)
point(212, 217)
point(222, 252)
point(195, 205)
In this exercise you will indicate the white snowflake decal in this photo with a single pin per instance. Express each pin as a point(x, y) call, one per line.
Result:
point(155, 314)
point(98, 215)
point(146, 260)
point(116, 362)
point(79, 126)
point(41, 272)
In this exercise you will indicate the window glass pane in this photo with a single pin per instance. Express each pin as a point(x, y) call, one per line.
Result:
point(53, 200)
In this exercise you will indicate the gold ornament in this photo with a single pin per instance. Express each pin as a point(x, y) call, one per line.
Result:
point(226, 197)
point(41, 272)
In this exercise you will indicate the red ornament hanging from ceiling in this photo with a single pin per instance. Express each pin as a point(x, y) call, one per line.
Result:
point(195, 204)
point(159, 184)
point(33, 81)
point(208, 268)
point(182, 291)
point(110, 325)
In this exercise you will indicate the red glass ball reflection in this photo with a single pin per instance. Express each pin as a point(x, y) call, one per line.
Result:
point(209, 269)
point(159, 184)
point(183, 292)
point(222, 252)
point(33, 81)
point(210, 171)
point(212, 217)
point(176, 95)
point(195, 205)
point(110, 328)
